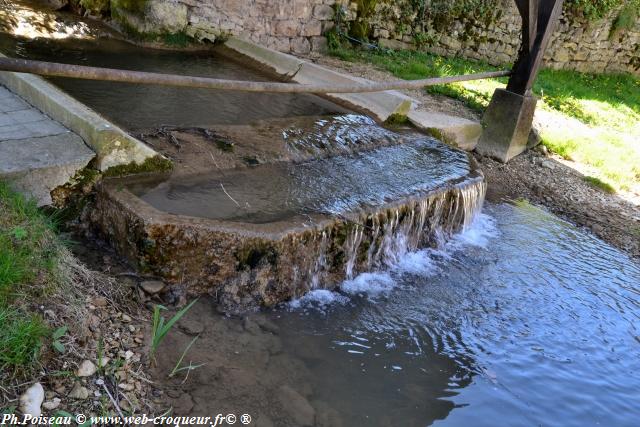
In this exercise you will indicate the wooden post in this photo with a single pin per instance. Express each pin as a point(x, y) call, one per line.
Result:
point(539, 18)
point(508, 118)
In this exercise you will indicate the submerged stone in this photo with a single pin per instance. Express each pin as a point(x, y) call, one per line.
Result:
point(261, 235)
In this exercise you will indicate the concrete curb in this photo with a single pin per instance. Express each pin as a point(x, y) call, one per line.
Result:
point(452, 130)
point(112, 145)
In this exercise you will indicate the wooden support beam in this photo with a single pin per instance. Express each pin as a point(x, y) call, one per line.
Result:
point(539, 19)
point(507, 121)
point(142, 77)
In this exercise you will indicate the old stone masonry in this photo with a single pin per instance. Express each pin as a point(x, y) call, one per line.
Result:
point(299, 26)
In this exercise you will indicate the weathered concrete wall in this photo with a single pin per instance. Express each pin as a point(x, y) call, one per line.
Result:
point(577, 44)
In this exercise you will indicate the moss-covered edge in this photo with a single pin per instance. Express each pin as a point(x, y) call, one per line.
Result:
point(152, 164)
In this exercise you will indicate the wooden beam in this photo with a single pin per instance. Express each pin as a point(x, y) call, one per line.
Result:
point(539, 19)
point(128, 76)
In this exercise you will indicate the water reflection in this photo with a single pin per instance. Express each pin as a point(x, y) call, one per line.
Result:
point(537, 325)
point(57, 37)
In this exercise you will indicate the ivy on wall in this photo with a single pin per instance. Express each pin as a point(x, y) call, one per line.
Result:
point(425, 21)
point(598, 9)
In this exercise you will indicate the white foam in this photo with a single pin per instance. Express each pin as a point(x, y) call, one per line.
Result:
point(370, 284)
point(478, 234)
point(425, 262)
point(419, 263)
point(319, 298)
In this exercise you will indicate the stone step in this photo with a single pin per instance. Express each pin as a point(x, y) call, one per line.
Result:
point(37, 154)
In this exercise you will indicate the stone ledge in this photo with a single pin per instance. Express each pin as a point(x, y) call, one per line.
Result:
point(36, 166)
point(456, 131)
point(112, 145)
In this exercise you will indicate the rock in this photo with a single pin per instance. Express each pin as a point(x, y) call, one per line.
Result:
point(57, 4)
point(103, 361)
point(79, 392)
point(190, 326)
point(549, 164)
point(296, 406)
point(31, 400)
point(126, 318)
point(127, 386)
point(86, 369)
point(52, 404)
point(152, 287)
point(99, 301)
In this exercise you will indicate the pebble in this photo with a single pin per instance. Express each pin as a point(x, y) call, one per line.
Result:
point(152, 287)
point(79, 392)
point(99, 301)
point(127, 386)
point(51, 404)
point(126, 318)
point(31, 400)
point(103, 361)
point(86, 369)
point(549, 164)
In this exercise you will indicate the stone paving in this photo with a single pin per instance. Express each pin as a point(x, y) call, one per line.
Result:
point(37, 154)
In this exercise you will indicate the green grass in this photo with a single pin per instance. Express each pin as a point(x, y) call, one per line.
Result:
point(608, 104)
point(28, 251)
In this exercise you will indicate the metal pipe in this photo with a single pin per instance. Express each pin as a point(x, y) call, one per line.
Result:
point(53, 69)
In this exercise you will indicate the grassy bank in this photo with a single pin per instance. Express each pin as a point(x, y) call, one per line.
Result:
point(29, 251)
point(607, 107)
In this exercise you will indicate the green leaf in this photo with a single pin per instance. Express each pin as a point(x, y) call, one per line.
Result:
point(58, 333)
point(58, 346)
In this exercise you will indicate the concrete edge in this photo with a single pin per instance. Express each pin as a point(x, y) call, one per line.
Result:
point(457, 131)
point(453, 130)
point(381, 105)
point(112, 145)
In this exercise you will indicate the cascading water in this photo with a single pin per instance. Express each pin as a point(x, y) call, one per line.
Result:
point(381, 240)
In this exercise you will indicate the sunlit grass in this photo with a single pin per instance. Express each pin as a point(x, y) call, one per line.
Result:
point(608, 104)
point(28, 251)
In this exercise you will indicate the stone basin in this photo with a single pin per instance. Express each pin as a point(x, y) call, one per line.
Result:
point(257, 236)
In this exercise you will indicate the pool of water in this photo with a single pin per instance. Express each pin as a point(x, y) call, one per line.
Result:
point(334, 185)
point(28, 31)
point(524, 320)
point(521, 320)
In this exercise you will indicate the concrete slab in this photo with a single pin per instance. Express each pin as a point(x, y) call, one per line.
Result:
point(37, 154)
point(38, 165)
point(112, 145)
point(456, 131)
point(380, 105)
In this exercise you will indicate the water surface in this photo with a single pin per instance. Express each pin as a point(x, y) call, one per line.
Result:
point(522, 320)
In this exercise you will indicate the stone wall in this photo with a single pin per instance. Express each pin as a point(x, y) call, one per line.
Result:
point(576, 44)
point(285, 25)
point(298, 25)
